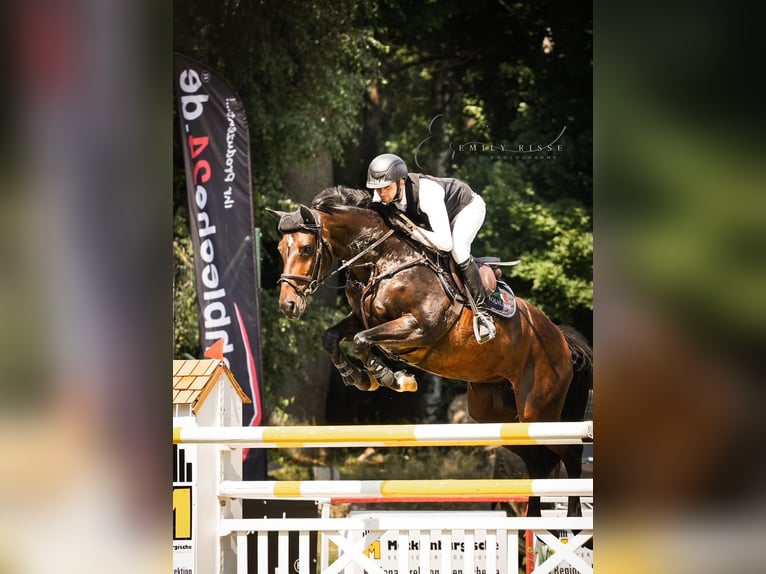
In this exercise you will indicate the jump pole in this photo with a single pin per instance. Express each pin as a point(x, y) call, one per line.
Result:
point(425, 490)
point(480, 434)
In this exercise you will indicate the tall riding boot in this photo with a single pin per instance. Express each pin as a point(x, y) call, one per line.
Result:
point(472, 280)
point(483, 326)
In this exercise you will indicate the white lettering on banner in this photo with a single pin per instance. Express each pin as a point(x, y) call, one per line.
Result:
point(214, 312)
point(205, 228)
point(209, 278)
point(189, 81)
point(215, 315)
point(231, 133)
point(206, 251)
point(200, 197)
point(192, 106)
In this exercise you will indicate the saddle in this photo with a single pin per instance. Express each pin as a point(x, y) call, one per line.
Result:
point(501, 300)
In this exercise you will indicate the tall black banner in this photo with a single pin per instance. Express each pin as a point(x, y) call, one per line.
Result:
point(216, 149)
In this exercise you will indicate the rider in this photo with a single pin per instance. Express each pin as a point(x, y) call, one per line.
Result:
point(447, 213)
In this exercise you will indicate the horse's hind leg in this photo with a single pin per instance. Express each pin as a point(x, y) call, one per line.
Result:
point(349, 372)
point(496, 402)
point(571, 456)
point(540, 462)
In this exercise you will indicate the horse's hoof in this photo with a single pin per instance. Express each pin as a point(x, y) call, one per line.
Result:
point(405, 383)
point(370, 386)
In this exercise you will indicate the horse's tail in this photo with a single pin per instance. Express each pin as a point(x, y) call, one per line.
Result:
point(582, 375)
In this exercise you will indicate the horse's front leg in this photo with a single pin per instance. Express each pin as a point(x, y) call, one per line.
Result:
point(331, 340)
point(401, 333)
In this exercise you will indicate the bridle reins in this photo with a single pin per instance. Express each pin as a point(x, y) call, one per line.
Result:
point(314, 282)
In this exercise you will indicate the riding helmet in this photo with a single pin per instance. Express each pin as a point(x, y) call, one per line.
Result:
point(384, 170)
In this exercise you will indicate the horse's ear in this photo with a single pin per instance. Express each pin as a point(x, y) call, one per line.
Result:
point(307, 215)
point(277, 214)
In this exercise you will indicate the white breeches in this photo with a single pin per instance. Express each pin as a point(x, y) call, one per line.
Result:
point(465, 227)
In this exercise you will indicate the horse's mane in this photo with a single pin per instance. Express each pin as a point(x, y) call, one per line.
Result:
point(334, 199)
point(340, 198)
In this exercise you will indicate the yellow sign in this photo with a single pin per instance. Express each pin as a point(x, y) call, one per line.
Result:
point(373, 550)
point(182, 512)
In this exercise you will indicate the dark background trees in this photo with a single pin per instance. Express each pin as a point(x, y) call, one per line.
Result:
point(459, 89)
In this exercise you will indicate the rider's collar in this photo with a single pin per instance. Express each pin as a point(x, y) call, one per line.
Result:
point(402, 202)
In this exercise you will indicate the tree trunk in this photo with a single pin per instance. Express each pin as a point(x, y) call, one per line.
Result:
point(307, 387)
point(441, 97)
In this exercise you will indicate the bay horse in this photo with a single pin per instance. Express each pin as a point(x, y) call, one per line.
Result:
point(531, 371)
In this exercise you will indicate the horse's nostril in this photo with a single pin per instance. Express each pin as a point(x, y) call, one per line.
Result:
point(288, 307)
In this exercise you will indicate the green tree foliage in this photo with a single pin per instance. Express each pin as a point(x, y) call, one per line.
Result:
point(553, 239)
point(290, 350)
point(185, 324)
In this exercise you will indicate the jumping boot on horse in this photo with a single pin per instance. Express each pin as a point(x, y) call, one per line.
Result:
point(483, 325)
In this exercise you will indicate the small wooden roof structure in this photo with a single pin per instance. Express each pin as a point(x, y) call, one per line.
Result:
point(194, 379)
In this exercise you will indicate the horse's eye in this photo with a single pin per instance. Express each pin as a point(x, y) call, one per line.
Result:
point(306, 250)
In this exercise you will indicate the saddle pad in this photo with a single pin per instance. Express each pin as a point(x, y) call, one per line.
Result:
point(502, 302)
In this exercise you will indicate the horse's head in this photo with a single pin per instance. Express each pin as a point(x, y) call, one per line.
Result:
point(305, 260)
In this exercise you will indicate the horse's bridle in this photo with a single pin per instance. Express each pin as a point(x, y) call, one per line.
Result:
point(315, 282)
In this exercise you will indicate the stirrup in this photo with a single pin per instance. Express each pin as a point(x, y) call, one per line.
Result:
point(483, 328)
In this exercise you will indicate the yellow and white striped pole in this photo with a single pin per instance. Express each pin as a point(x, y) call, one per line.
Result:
point(454, 490)
point(488, 434)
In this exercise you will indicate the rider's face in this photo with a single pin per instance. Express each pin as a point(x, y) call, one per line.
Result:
point(388, 194)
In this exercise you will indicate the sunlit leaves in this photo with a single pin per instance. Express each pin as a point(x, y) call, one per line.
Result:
point(185, 315)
